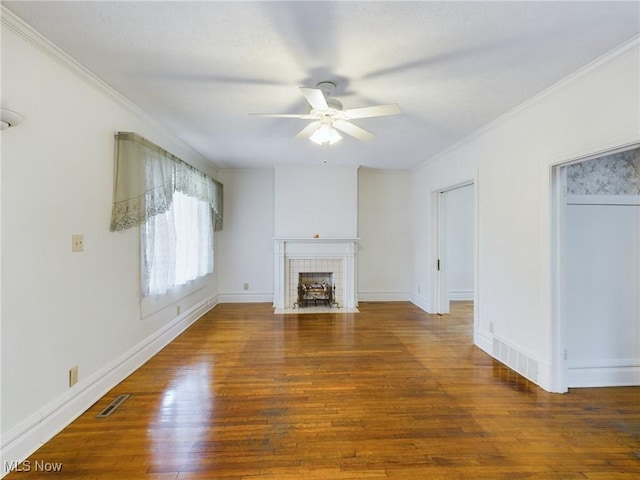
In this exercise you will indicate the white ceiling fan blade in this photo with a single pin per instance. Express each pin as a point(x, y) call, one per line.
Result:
point(315, 98)
point(308, 130)
point(305, 116)
point(353, 130)
point(376, 111)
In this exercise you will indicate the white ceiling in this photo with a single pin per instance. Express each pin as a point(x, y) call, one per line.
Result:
point(200, 68)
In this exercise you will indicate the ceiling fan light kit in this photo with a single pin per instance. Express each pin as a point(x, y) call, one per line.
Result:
point(325, 134)
point(329, 116)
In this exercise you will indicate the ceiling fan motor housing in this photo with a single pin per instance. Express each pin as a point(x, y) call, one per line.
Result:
point(327, 88)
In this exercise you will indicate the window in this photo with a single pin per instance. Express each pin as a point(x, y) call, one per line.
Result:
point(176, 206)
point(177, 245)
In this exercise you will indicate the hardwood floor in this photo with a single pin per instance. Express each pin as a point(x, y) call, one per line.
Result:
point(390, 392)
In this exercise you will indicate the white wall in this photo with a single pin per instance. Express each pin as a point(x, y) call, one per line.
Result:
point(385, 249)
point(383, 226)
point(594, 110)
point(247, 237)
point(316, 199)
point(63, 309)
point(459, 208)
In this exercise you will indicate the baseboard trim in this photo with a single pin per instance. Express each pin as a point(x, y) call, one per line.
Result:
point(605, 376)
point(421, 303)
point(29, 435)
point(383, 297)
point(246, 297)
point(484, 342)
point(460, 295)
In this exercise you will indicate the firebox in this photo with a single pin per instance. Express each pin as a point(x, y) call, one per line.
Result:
point(316, 288)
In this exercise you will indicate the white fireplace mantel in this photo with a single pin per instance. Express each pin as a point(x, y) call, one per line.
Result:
point(287, 249)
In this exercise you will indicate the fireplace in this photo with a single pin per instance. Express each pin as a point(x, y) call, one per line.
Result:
point(335, 257)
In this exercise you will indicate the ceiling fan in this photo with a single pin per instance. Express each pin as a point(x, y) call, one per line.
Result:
point(328, 116)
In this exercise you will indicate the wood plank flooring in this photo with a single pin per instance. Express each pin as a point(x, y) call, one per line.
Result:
point(389, 393)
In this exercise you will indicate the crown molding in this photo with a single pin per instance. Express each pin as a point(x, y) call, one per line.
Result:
point(578, 75)
point(25, 31)
point(44, 45)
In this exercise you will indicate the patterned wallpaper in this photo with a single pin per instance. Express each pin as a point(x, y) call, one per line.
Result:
point(616, 174)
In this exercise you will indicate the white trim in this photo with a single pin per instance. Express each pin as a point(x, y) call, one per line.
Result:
point(609, 376)
point(440, 271)
point(583, 72)
point(421, 302)
point(26, 437)
point(384, 297)
point(557, 336)
point(33, 37)
point(460, 295)
point(484, 342)
point(601, 149)
point(317, 240)
point(633, 200)
point(152, 304)
point(44, 45)
point(440, 294)
point(605, 363)
point(558, 370)
point(245, 297)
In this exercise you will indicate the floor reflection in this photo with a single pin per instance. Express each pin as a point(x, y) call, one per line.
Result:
point(512, 378)
point(182, 418)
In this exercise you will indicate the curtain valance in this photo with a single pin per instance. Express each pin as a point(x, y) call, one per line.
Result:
point(146, 177)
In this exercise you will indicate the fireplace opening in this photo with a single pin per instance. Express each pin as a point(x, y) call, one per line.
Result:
point(316, 288)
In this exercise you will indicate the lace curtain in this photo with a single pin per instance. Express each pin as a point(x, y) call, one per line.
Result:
point(146, 177)
point(177, 245)
point(177, 207)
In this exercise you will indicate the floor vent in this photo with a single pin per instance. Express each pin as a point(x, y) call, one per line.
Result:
point(516, 360)
point(112, 406)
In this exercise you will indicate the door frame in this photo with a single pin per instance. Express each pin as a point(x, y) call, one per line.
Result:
point(440, 292)
point(558, 331)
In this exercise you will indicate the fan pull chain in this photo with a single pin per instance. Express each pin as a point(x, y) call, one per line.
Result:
point(325, 151)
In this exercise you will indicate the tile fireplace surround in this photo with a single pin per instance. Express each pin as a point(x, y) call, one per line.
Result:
point(305, 255)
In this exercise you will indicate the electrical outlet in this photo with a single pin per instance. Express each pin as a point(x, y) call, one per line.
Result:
point(73, 376)
point(77, 242)
point(246, 286)
point(178, 310)
point(491, 327)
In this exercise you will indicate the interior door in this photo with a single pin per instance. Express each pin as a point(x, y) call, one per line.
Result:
point(455, 244)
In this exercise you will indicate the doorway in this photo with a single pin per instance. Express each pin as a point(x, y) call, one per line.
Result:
point(596, 269)
point(455, 245)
